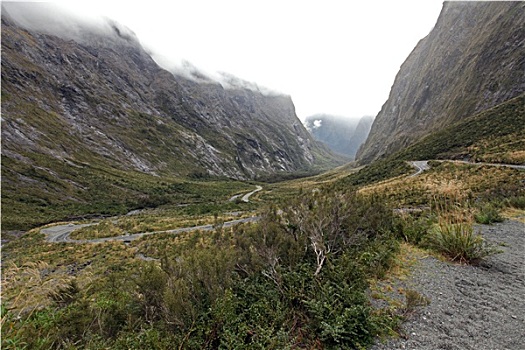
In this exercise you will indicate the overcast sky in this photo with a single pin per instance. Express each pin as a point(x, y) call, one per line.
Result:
point(336, 57)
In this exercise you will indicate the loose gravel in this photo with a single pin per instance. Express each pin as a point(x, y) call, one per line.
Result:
point(471, 307)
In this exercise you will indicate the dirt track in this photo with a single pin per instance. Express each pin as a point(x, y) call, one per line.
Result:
point(471, 308)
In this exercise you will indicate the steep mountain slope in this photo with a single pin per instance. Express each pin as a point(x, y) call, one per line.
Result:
point(495, 135)
point(341, 134)
point(90, 117)
point(471, 60)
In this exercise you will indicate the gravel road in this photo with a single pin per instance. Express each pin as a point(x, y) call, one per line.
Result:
point(472, 307)
point(246, 197)
point(420, 165)
point(60, 233)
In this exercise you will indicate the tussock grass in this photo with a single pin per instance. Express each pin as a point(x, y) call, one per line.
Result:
point(459, 242)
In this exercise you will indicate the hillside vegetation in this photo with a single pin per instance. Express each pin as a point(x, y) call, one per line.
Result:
point(298, 278)
point(91, 125)
point(495, 135)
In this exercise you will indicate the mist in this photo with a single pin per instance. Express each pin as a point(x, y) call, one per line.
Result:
point(334, 57)
point(89, 28)
point(53, 19)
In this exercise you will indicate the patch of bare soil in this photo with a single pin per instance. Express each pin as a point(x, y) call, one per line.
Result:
point(471, 307)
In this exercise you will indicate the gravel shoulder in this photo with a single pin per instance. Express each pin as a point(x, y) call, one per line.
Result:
point(471, 307)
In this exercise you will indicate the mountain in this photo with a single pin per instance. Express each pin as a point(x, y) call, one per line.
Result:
point(342, 135)
point(471, 61)
point(88, 115)
point(111, 100)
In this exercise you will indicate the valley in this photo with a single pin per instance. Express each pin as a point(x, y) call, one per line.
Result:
point(44, 261)
point(144, 208)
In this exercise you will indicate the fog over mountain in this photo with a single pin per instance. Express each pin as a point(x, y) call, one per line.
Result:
point(303, 49)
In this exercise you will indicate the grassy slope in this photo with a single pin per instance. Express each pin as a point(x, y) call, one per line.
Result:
point(94, 189)
point(500, 129)
point(495, 135)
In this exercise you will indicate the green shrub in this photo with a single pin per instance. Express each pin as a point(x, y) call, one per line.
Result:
point(411, 228)
point(517, 202)
point(487, 214)
point(296, 279)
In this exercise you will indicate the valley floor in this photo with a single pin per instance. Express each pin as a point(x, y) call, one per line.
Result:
point(471, 307)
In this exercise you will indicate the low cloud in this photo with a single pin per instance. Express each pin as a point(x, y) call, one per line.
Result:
point(228, 81)
point(52, 19)
point(312, 125)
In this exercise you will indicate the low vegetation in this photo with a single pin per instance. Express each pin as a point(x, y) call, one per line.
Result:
point(166, 218)
point(302, 277)
point(86, 190)
point(495, 135)
point(297, 279)
point(458, 242)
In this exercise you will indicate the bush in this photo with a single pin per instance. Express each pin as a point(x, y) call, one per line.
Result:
point(412, 229)
point(487, 214)
point(458, 242)
point(517, 202)
point(296, 279)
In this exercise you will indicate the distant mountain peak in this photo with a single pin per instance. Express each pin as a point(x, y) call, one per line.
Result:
point(342, 135)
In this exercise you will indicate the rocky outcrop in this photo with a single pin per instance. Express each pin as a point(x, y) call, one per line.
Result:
point(342, 135)
point(472, 60)
point(94, 96)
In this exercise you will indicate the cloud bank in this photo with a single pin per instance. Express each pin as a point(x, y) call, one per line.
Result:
point(57, 20)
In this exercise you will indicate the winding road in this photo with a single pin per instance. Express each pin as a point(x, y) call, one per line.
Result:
point(422, 165)
point(246, 197)
point(60, 233)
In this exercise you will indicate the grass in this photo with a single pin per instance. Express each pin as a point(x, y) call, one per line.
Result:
point(233, 271)
point(492, 135)
point(459, 242)
point(42, 279)
point(163, 219)
point(447, 194)
point(464, 183)
point(89, 190)
point(487, 214)
point(513, 214)
point(437, 208)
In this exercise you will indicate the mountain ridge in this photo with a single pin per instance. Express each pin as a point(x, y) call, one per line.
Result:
point(91, 80)
point(468, 63)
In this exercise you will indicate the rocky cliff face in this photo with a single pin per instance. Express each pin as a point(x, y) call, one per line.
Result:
point(342, 135)
point(472, 60)
point(95, 96)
